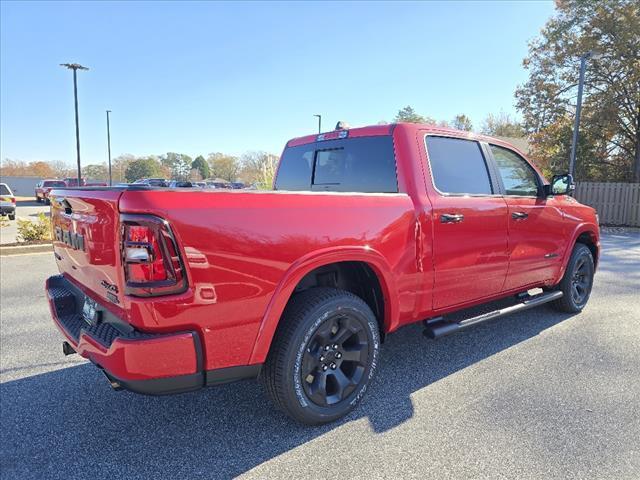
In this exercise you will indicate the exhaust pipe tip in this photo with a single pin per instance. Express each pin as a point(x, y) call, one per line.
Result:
point(67, 349)
point(115, 385)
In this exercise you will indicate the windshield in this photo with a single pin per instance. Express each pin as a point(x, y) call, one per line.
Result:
point(54, 184)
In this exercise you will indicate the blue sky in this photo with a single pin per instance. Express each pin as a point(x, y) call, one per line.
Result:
point(202, 77)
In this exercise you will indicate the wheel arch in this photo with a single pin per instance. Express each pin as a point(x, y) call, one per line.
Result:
point(587, 234)
point(321, 262)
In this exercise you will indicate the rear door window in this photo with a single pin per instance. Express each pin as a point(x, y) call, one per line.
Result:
point(363, 164)
point(458, 166)
point(4, 190)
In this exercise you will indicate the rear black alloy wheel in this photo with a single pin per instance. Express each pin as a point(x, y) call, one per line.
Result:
point(577, 280)
point(323, 356)
point(335, 360)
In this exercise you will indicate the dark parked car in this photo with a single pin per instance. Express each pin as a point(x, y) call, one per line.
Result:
point(180, 184)
point(152, 182)
point(218, 185)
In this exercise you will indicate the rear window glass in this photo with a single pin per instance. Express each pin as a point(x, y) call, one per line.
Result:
point(364, 164)
point(4, 190)
point(54, 184)
point(458, 166)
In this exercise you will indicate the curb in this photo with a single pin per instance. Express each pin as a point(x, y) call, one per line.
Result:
point(22, 249)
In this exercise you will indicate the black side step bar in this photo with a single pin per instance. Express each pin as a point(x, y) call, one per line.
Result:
point(438, 327)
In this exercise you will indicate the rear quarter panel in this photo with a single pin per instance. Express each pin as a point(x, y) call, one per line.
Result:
point(241, 248)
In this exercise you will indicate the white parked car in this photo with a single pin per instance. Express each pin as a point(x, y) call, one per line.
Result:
point(7, 202)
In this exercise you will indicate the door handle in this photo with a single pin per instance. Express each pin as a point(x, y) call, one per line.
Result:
point(519, 215)
point(451, 218)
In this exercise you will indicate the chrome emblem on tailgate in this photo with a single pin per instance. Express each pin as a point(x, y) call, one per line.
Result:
point(71, 239)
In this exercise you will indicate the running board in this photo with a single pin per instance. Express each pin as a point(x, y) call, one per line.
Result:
point(438, 327)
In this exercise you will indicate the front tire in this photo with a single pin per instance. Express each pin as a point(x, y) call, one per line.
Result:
point(323, 355)
point(577, 281)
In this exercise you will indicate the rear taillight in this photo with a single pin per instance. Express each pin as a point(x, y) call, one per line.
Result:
point(150, 256)
point(13, 199)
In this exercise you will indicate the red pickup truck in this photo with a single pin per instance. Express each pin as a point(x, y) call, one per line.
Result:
point(43, 187)
point(367, 230)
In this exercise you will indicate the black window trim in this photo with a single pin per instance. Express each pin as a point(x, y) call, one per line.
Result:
point(489, 165)
point(503, 190)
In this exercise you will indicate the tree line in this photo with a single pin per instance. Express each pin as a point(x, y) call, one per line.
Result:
point(250, 167)
point(499, 125)
point(255, 167)
point(19, 168)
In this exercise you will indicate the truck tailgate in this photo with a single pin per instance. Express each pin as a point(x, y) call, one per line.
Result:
point(86, 242)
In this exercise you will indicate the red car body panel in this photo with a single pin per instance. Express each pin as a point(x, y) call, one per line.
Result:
point(236, 267)
point(245, 252)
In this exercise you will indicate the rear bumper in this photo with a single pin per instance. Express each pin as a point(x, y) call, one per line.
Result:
point(7, 209)
point(153, 364)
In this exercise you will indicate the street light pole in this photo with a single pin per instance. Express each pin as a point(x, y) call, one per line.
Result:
point(576, 126)
point(109, 145)
point(75, 67)
point(319, 122)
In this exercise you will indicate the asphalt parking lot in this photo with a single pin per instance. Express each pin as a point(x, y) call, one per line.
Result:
point(25, 210)
point(535, 395)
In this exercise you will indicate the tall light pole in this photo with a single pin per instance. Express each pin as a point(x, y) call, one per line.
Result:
point(576, 125)
point(109, 145)
point(75, 67)
point(319, 122)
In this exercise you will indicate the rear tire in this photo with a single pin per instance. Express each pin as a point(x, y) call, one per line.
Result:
point(37, 199)
point(577, 281)
point(12, 216)
point(323, 355)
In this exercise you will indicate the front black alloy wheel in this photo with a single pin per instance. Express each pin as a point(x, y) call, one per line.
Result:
point(577, 280)
point(580, 281)
point(323, 355)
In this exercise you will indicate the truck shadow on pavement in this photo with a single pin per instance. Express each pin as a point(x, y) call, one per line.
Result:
point(69, 421)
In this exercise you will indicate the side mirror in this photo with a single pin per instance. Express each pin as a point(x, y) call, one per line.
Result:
point(560, 185)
